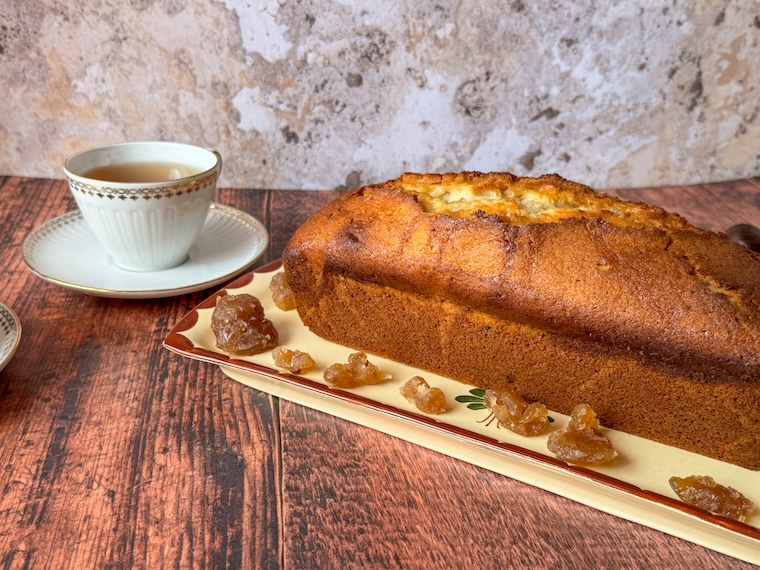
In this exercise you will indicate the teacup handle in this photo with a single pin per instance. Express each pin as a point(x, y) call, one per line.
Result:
point(219, 158)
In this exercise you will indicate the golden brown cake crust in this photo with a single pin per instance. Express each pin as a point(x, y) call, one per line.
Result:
point(586, 291)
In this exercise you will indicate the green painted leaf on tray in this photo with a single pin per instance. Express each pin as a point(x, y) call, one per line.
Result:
point(468, 399)
point(476, 400)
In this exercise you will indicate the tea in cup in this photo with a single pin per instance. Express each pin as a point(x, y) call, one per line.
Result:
point(146, 202)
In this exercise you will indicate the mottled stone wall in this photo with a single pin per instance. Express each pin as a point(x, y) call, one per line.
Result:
point(326, 93)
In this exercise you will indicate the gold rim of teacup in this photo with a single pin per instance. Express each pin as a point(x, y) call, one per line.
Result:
point(135, 192)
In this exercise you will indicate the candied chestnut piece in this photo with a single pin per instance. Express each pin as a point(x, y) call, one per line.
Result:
point(427, 399)
point(293, 360)
point(240, 327)
point(581, 442)
point(515, 414)
point(357, 372)
point(702, 491)
point(282, 295)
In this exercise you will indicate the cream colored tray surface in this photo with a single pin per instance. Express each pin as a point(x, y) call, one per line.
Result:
point(635, 486)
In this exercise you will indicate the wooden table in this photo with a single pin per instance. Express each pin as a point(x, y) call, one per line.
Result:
point(116, 453)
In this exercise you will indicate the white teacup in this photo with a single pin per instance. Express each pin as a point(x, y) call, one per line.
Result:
point(146, 202)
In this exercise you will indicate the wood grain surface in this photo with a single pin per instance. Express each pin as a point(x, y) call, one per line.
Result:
point(117, 454)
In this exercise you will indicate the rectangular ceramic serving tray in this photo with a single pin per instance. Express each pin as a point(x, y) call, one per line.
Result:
point(634, 486)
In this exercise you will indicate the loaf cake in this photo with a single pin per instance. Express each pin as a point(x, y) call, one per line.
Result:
point(544, 286)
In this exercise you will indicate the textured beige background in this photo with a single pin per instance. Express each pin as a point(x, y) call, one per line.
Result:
point(326, 93)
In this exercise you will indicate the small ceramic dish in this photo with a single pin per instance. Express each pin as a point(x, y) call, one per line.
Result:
point(10, 334)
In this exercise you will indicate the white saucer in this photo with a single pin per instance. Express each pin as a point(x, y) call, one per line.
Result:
point(64, 251)
point(10, 334)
